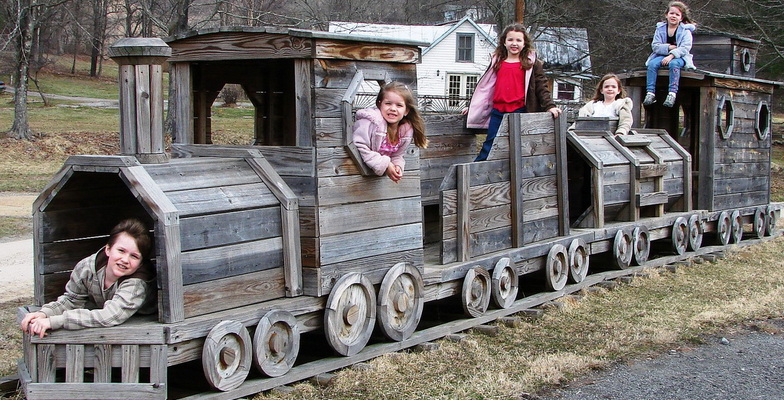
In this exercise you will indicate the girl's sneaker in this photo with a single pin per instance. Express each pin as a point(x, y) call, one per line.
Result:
point(670, 100)
point(650, 98)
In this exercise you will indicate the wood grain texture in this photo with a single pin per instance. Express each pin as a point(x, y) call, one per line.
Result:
point(223, 294)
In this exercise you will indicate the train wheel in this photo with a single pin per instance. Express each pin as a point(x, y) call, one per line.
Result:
point(759, 223)
point(400, 302)
point(578, 260)
point(680, 235)
point(476, 291)
point(226, 355)
point(724, 228)
point(276, 343)
point(642, 244)
point(350, 314)
point(696, 230)
point(770, 220)
point(737, 226)
point(557, 267)
point(504, 283)
point(623, 250)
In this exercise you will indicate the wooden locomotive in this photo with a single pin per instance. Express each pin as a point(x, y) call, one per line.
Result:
point(255, 245)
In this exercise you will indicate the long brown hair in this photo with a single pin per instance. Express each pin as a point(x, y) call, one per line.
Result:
point(501, 53)
point(598, 96)
point(684, 9)
point(413, 116)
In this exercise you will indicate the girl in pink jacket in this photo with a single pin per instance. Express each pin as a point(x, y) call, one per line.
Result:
point(382, 133)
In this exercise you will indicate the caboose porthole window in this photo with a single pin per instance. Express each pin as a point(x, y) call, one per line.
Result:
point(762, 120)
point(745, 60)
point(725, 117)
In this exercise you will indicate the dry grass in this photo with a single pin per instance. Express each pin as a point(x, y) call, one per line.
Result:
point(648, 316)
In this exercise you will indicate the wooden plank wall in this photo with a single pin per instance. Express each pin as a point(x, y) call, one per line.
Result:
point(741, 168)
point(231, 232)
point(358, 223)
point(723, 54)
point(481, 210)
point(450, 143)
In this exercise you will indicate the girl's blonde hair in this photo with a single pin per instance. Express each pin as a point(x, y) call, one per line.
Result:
point(501, 53)
point(684, 9)
point(413, 116)
point(598, 96)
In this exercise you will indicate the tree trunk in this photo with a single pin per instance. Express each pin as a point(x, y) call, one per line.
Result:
point(99, 27)
point(24, 45)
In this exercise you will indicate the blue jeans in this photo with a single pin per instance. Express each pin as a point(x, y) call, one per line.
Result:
point(492, 129)
point(675, 73)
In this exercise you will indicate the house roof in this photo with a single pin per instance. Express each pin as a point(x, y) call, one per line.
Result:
point(432, 34)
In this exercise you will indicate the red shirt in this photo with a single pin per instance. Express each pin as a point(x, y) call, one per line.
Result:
point(509, 94)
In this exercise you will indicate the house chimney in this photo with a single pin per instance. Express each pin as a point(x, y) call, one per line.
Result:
point(141, 97)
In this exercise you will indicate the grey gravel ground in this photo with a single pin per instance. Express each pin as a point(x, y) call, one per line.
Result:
point(745, 365)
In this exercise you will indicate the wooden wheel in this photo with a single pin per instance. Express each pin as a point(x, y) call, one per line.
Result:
point(696, 230)
point(623, 250)
point(350, 314)
point(641, 243)
point(557, 267)
point(276, 343)
point(400, 302)
point(680, 235)
point(724, 228)
point(737, 226)
point(770, 220)
point(476, 291)
point(578, 260)
point(504, 283)
point(759, 223)
point(226, 355)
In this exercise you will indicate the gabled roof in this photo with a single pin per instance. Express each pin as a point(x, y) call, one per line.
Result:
point(456, 25)
point(432, 34)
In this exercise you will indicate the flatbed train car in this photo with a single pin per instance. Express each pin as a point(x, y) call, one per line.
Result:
point(257, 245)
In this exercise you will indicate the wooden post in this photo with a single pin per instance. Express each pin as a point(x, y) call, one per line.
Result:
point(519, 11)
point(141, 97)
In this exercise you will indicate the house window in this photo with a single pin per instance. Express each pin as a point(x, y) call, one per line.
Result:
point(460, 88)
point(566, 91)
point(465, 47)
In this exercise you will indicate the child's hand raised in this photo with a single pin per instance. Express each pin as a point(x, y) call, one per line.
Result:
point(394, 173)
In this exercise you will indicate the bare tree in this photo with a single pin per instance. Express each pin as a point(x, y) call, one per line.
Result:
point(26, 17)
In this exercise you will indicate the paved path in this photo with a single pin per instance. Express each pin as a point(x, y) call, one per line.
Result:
point(744, 366)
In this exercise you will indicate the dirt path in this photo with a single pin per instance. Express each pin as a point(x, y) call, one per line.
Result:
point(16, 263)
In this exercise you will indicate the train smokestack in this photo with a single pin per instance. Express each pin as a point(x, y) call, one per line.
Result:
point(141, 97)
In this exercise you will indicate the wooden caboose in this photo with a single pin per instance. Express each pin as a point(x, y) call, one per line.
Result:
point(722, 117)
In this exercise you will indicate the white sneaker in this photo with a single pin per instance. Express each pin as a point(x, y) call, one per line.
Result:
point(650, 98)
point(670, 100)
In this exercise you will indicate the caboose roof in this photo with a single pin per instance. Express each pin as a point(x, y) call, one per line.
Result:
point(701, 74)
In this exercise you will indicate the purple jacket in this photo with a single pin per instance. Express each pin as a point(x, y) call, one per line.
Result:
point(537, 96)
point(370, 129)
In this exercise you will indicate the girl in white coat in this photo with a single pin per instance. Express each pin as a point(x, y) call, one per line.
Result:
point(610, 101)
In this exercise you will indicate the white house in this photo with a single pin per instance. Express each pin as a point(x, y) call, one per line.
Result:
point(458, 54)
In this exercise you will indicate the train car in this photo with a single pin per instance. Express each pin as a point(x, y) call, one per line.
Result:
point(256, 245)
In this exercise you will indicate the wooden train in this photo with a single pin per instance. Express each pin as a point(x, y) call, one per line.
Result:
point(256, 245)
